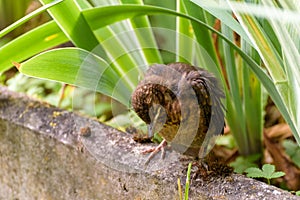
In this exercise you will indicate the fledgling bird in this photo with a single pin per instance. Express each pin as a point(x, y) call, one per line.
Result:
point(183, 104)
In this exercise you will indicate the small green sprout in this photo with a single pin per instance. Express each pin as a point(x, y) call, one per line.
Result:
point(187, 184)
point(267, 172)
point(298, 193)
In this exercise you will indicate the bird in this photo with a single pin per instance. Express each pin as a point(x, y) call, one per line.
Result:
point(183, 104)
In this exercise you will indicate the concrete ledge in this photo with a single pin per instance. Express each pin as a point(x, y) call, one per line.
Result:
point(49, 153)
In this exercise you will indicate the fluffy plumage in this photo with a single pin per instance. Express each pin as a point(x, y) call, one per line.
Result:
point(182, 103)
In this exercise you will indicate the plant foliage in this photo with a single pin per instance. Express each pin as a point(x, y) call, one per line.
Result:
point(242, 163)
point(267, 172)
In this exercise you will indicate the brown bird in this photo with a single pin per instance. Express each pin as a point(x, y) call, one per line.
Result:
point(183, 104)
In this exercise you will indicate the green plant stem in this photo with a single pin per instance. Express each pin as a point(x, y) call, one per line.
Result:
point(187, 183)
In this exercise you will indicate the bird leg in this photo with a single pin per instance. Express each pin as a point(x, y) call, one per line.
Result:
point(155, 150)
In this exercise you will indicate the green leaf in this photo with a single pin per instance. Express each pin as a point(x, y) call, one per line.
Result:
point(268, 170)
point(151, 55)
point(254, 172)
point(184, 49)
point(202, 34)
point(217, 10)
point(234, 100)
point(283, 66)
point(121, 12)
point(277, 43)
point(31, 43)
point(28, 17)
point(277, 174)
point(73, 24)
point(11, 11)
point(242, 163)
point(80, 68)
point(252, 103)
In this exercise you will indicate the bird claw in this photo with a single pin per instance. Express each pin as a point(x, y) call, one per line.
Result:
point(155, 150)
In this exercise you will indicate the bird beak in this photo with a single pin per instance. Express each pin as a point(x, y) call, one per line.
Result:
point(157, 121)
point(150, 131)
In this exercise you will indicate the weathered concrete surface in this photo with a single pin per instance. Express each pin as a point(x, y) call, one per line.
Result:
point(45, 156)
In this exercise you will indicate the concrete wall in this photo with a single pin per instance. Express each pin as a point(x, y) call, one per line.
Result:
point(48, 153)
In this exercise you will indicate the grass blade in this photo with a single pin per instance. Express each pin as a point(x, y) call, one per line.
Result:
point(187, 183)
